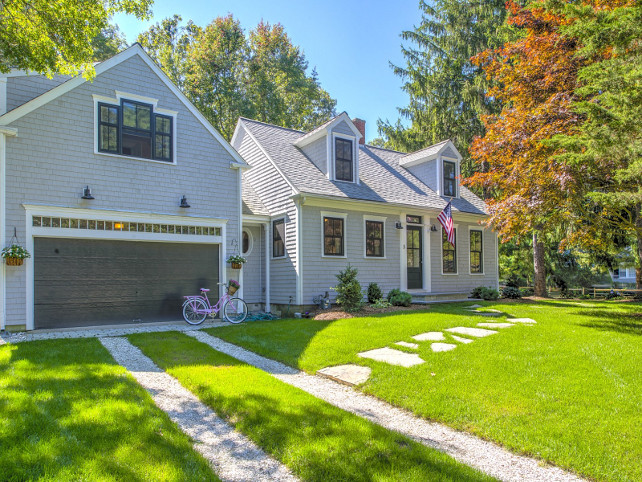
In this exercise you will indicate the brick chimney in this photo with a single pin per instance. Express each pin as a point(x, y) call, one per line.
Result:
point(361, 125)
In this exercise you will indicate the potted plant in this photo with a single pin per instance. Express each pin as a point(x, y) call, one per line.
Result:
point(15, 254)
point(236, 261)
point(232, 287)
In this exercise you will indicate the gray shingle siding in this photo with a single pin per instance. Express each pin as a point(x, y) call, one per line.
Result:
point(275, 194)
point(21, 90)
point(319, 272)
point(426, 172)
point(53, 158)
point(342, 128)
point(463, 281)
point(448, 152)
point(317, 152)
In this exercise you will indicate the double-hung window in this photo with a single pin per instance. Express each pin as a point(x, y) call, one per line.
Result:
point(374, 239)
point(343, 160)
point(134, 129)
point(333, 236)
point(278, 238)
point(449, 253)
point(450, 179)
point(476, 252)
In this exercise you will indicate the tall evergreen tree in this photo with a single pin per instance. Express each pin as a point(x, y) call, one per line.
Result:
point(446, 91)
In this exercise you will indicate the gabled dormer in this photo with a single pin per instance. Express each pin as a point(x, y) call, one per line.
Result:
point(437, 166)
point(334, 148)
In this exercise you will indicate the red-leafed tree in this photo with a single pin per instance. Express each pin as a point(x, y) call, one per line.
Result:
point(535, 78)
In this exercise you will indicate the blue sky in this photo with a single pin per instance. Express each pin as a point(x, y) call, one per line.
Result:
point(349, 43)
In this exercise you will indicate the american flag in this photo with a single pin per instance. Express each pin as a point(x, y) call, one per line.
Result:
point(446, 219)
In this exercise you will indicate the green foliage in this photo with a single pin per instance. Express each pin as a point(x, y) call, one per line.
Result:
point(236, 258)
point(58, 37)
point(399, 298)
point(228, 74)
point(349, 295)
point(374, 293)
point(381, 303)
point(527, 292)
point(15, 251)
point(446, 91)
point(108, 43)
point(485, 293)
point(511, 292)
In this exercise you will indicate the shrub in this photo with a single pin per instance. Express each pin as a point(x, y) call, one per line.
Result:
point(511, 292)
point(399, 298)
point(488, 294)
point(585, 296)
point(612, 295)
point(513, 281)
point(381, 303)
point(349, 295)
point(528, 292)
point(374, 293)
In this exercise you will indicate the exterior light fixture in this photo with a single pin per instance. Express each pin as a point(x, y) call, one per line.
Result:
point(86, 193)
point(398, 225)
point(433, 228)
point(184, 203)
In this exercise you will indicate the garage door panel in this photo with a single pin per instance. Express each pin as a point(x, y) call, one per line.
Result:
point(91, 282)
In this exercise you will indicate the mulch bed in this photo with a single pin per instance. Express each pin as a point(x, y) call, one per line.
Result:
point(337, 313)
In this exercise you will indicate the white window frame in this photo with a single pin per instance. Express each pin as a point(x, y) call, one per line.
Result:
point(441, 176)
point(285, 237)
point(483, 261)
point(137, 98)
point(441, 250)
point(344, 216)
point(250, 242)
point(379, 219)
point(355, 157)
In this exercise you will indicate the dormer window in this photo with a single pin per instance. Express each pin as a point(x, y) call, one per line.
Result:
point(450, 179)
point(343, 160)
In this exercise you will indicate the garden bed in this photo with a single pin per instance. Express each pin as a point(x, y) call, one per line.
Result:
point(337, 313)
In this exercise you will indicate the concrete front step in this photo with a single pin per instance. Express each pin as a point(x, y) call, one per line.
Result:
point(431, 297)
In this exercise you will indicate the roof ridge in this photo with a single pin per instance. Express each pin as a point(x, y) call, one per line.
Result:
point(384, 149)
point(271, 125)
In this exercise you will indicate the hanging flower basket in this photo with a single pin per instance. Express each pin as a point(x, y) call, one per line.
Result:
point(232, 287)
point(15, 255)
point(236, 261)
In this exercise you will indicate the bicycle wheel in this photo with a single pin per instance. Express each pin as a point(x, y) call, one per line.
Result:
point(235, 310)
point(194, 311)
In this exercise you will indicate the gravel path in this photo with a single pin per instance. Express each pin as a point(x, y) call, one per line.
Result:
point(468, 449)
point(96, 332)
point(232, 456)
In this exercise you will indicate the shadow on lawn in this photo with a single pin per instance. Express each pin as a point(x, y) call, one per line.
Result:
point(606, 320)
point(66, 414)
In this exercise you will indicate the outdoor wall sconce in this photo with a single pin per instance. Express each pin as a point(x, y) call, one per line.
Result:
point(184, 203)
point(433, 228)
point(398, 225)
point(86, 193)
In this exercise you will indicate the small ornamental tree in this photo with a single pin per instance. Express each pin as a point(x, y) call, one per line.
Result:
point(349, 294)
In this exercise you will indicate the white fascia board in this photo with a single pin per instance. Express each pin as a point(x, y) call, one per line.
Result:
point(305, 140)
point(433, 156)
point(102, 67)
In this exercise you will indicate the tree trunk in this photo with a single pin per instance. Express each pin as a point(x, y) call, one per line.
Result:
point(540, 267)
point(638, 268)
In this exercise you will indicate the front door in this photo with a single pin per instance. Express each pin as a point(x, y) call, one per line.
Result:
point(414, 253)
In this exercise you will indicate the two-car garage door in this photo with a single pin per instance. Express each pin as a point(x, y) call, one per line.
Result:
point(84, 282)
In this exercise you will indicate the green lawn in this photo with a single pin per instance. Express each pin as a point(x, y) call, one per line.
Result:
point(567, 390)
point(68, 412)
point(316, 440)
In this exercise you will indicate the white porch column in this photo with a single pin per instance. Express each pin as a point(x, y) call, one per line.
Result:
point(266, 229)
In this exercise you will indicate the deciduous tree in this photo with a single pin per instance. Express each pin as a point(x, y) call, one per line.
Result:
point(52, 37)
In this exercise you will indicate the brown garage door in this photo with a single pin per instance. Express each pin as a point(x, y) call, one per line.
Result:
point(80, 282)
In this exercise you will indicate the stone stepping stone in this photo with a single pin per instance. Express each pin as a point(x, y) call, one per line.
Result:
point(475, 306)
point(393, 357)
point(348, 374)
point(476, 332)
point(462, 340)
point(407, 345)
point(430, 336)
point(521, 320)
point(496, 325)
point(438, 347)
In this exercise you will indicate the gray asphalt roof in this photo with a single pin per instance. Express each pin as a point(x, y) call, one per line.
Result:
point(382, 178)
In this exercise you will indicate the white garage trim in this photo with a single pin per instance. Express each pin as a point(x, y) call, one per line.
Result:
point(127, 217)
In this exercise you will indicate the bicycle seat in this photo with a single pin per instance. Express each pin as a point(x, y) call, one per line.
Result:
point(204, 290)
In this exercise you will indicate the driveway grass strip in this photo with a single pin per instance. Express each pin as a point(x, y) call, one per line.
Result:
point(465, 448)
point(566, 390)
point(314, 439)
point(234, 457)
point(68, 412)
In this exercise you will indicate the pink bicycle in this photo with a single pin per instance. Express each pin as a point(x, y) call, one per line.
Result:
point(196, 308)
